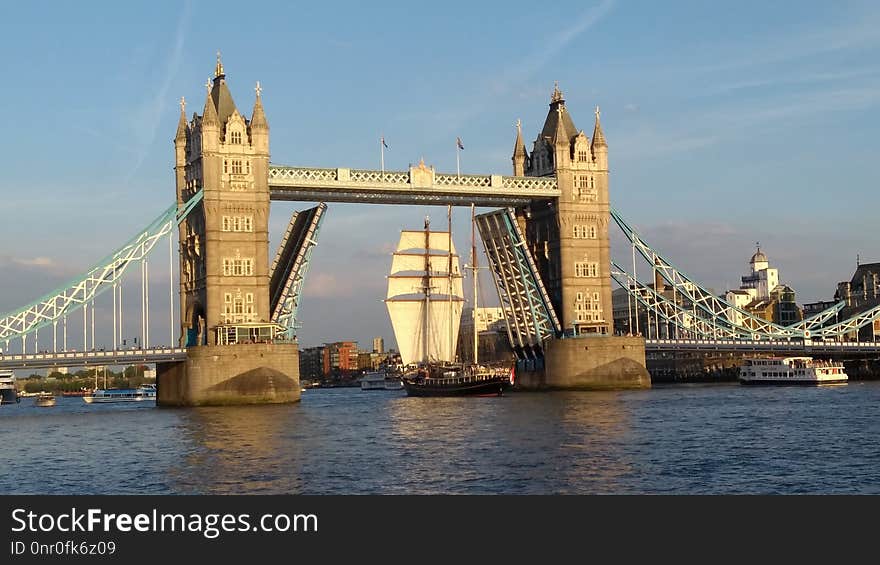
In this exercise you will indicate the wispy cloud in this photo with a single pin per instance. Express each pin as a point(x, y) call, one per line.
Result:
point(859, 32)
point(155, 107)
point(558, 41)
point(35, 262)
point(515, 77)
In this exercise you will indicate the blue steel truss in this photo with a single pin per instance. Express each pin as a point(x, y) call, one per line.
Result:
point(100, 277)
point(726, 320)
point(527, 308)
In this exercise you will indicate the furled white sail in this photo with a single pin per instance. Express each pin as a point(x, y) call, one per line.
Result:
point(438, 241)
point(408, 286)
point(425, 306)
point(416, 262)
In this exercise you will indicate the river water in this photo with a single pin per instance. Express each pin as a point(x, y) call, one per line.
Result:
point(685, 439)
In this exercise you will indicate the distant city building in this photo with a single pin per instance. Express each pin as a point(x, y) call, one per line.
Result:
point(861, 293)
point(493, 343)
point(311, 362)
point(378, 345)
point(761, 295)
point(762, 279)
point(340, 357)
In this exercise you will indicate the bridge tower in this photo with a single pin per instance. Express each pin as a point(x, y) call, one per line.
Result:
point(232, 347)
point(568, 238)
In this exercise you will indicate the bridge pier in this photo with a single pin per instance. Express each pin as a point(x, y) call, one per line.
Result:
point(221, 375)
point(589, 363)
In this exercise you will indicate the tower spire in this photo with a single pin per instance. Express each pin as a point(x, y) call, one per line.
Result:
point(519, 152)
point(209, 115)
point(181, 123)
point(557, 94)
point(598, 135)
point(258, 118)
point(218, 69)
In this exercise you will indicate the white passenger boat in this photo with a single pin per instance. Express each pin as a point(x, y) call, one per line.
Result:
point(106, 395)
point(8, 393)
point(791, 370)
point(380, 380)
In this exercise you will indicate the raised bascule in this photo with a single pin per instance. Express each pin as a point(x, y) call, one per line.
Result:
point(547, 245)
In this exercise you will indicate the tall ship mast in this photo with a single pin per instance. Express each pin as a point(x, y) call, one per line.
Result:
point(425, 296)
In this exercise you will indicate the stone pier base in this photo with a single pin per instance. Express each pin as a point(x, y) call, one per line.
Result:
point(222, 375)
point(589, 363)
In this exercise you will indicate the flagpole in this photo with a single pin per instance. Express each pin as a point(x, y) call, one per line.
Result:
point(382, 153)
point(457, 159)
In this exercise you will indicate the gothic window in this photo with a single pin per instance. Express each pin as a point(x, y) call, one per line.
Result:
point(247, 167)
point(238, 223)
point(235, 138)
point(582, 231)
point(236, 167)
point(582, 156)
point(238, 308)
point(225, 166)
point(585, 188)
point(586, 269)
point(238, 267)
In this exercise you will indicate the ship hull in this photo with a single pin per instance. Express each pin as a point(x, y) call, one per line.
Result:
point(792, 382)
point(9, 396)
point(493, 387)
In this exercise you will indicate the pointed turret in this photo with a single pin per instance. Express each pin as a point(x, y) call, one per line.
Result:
point(181, 123)
point(598, 136)
point(519, 152)
point(258, 118)
point(259, 127)
point(209, 115)
point(180, 152)
point(599, 146)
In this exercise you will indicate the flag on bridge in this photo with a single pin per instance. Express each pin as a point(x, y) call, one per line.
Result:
point(384, 144)
point(459, 143)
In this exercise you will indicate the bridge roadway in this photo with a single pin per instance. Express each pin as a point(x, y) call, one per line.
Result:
point(783, 347)
point(91, 358)
point(419, 185)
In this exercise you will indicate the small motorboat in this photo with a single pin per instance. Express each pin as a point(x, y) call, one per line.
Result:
point(44, 399)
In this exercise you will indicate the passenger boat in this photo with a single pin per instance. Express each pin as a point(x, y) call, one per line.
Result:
point(380, 380)
point(791, 371)
point(44, 399)
point(424, 301)
point(373, 380)
point(8, 393)
point(143, 393)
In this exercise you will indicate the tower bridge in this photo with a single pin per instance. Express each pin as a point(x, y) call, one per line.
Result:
point(232, 334)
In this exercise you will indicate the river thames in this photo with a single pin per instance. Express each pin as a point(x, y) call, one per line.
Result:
point(675, 439)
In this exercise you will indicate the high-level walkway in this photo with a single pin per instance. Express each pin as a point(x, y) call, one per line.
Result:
point(418, 185)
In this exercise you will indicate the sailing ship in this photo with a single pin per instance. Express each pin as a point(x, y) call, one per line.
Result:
point(425, 299)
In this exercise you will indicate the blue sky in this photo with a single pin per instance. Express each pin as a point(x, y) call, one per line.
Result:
point(727, 123)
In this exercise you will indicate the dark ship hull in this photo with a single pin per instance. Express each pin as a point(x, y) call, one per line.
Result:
point(457, 383)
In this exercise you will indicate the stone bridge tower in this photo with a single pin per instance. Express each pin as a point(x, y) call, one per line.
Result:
point(568, 237)
point(232, 349)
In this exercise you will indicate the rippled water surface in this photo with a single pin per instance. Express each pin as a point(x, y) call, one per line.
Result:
point(670, 439)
